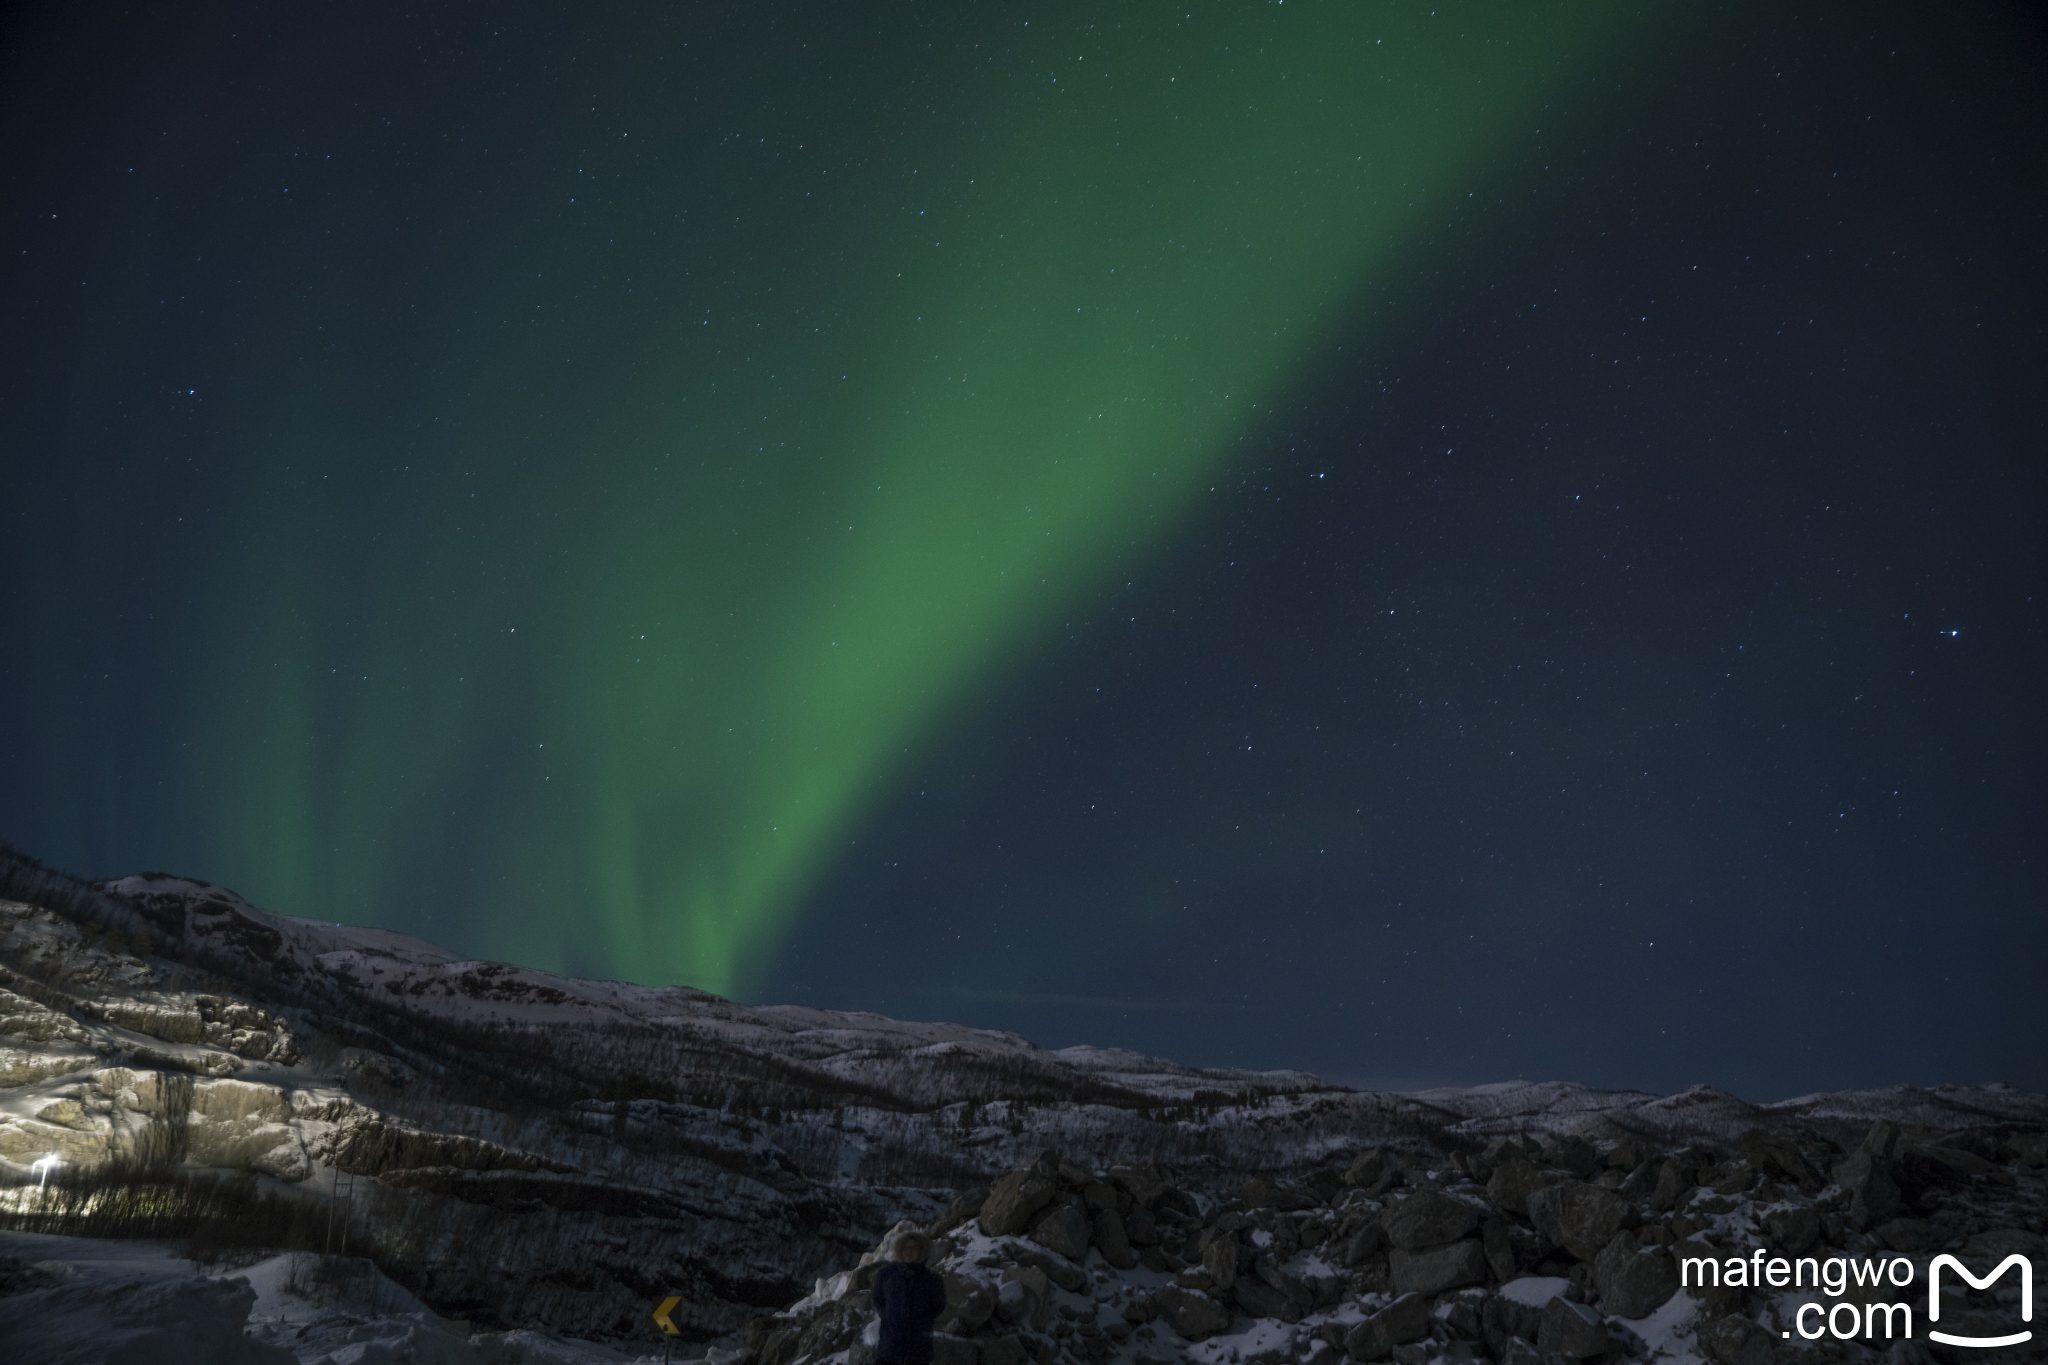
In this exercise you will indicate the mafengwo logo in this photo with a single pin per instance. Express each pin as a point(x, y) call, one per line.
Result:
point(1850, 1319)
point(2026, 1269)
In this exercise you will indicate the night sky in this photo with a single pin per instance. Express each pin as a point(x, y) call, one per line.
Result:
point(1424, 545)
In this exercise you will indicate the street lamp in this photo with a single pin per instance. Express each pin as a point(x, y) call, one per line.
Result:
point(44, 1165)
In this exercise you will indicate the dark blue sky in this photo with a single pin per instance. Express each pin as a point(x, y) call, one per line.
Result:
point(1621, 663)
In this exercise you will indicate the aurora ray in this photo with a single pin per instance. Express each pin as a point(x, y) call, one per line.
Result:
point(762, 420)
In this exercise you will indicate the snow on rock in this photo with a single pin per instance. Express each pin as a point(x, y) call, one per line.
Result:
point(72, 1301)
point(78, 1301)
point(1533, 1291)
point(533, 1153)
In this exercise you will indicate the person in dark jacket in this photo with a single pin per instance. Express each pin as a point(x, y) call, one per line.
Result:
point(909, 1297)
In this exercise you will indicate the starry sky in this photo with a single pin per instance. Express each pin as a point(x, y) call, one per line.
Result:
point(1424, 545)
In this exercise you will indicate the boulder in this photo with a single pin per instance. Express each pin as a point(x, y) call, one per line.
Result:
point(1641, 1182)
point(1514, 1180)
point(1064, 1228)
point(1714, 1300)
point(1502, 1319)
point(962, 1210)
point(835, 1329)
point(1735, 1340)
point(1500, 1250)
point(1192, 1314)
point(1873, 1194)
point(1883, 1139)
point(1014, 1201)
point(1470, 1167)
point(1579, 1217)
point(1674, 1183)
point(1140, 1228)
point(1501, 1148)
point(1221, 1259)
point(1224, 1225)
point(1021, 1297)
point(1261, 1300)
point(1098, 1195)
point(1367, 1168)
point(1625, 1155)
point(1108, 1236)
point(1573, 1154)
point(951, 1350)
point(1367, 1242)
point(1428, 1219)
point(1326, 1285)
point(1145, 1184)
point(1261, 1193)
point(1404, 1320)
point(969, 1305)
point(1060, 1271)
point(1634, 1280)
point(1267, 1268)
point(1432, 1270)
point(1793, 1229)
point(1778, 1154)
point(1572, 1329)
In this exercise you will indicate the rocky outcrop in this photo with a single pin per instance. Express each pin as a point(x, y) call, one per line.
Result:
point(378, 1146)
point(1015, 1201)
point(1428, 1219)
point(23, 1020)
point(206, 1021)
point(1399, 1255)
point(1634, 1280)
point(1579, 1217)
point(1432, 1270)
point(20, 1066)
point(1406, 1319)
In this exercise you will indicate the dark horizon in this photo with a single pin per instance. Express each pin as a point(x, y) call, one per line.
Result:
point(1421, 546)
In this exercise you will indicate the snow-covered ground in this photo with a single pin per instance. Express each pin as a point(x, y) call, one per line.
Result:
point(81, 1301)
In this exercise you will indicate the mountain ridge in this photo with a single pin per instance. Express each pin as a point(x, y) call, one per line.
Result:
point(603, 1139)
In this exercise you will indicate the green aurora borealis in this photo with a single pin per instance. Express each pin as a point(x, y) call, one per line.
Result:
point(627, 474)
point(1423, 545)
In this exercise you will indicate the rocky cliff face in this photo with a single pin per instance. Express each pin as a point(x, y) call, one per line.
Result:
point(523, 1149)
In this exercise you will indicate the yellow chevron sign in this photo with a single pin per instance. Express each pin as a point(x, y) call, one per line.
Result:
point(661, 1312)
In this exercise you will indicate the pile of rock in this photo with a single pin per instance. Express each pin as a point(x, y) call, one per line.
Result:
point(1523, 1252)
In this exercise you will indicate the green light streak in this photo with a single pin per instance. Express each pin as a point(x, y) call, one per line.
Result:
point(692, 629)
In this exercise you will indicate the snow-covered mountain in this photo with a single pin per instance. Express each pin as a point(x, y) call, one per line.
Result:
point(519, 1149)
